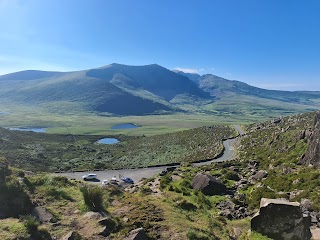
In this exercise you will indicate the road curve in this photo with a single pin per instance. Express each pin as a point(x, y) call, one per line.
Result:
point(139, 173)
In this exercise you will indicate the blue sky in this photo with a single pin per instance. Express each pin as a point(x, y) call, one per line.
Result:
point(267, 43)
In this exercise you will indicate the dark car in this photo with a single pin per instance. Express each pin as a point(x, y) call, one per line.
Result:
point(127, 180)
point(164, 172)
point(170, 169)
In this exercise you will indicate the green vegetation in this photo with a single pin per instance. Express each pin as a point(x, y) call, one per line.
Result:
point(92, 196)
point(52, 152)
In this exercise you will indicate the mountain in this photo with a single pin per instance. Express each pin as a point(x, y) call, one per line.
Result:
point(118, 89)
point(192, 76)
point(220, 87)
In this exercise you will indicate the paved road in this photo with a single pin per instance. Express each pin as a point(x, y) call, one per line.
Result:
point(139, 173)
point(240, 131)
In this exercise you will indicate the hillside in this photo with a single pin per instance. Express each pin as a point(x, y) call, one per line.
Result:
point(169, 206)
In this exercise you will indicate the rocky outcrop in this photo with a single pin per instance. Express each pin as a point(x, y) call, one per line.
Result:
point(208, 184)
point(312, 155)
point(281, 220)
point(3, 170)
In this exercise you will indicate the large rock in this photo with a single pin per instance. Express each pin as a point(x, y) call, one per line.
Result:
point(281, 220)
point(109, 225)
point(312, 155)
point(208, 185)
point(72, 235)
point(260, 175)
point(42, 214)
point(137, 234)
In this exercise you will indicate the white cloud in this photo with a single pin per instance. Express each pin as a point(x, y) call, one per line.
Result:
point(187, 70)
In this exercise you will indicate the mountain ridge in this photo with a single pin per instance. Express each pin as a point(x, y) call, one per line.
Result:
point(149, 89)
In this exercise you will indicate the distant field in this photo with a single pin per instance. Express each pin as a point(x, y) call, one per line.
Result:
point(77, 122)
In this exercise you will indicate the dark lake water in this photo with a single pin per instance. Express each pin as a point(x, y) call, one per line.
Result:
point(108, 141)
point(3, 113)
point(38, 130)
point(124, 126)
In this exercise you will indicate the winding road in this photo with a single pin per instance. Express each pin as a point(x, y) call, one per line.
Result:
point(139, 173)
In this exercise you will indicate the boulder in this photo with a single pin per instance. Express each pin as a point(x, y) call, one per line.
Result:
point(260, 175)
point(137, 234)
point(108, 226)
point(208, 185)
point(42, 214)
point(281, 220)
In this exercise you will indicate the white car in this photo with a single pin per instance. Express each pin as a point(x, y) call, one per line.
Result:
point(89, 176)
point(105, 182)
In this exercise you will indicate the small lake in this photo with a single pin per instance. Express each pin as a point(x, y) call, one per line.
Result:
point(125, 126)
point(3, 113)
point(37, 130)
point(108, 141)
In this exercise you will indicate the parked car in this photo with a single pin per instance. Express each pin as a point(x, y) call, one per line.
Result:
point(105, 182)
point(89, 176)
point(127, 180)
point(170, 169)
point(114, 180)
point(164, 172)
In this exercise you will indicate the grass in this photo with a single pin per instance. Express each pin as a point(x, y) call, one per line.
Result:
point(12, 228)
point(79, 122)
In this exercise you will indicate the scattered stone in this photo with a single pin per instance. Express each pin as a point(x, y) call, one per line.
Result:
point(137, 234)
point(306, 205)
point(92, 215)
point(295, 193)
point(279, 219)
point(253, 164)
point(208, 185)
